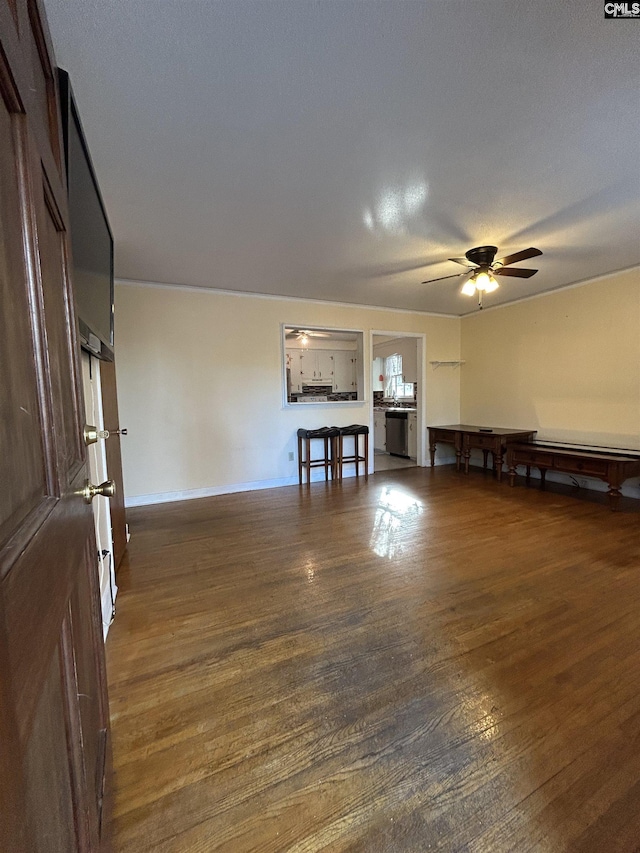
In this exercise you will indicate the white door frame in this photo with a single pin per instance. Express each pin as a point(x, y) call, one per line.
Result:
point(421, 402)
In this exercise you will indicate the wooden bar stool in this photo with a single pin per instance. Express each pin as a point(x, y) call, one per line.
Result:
point(329, 461)
point(355, 430)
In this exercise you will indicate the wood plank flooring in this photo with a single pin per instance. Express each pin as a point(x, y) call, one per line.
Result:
point(421, 661)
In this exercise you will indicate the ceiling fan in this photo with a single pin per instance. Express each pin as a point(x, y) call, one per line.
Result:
point(482, 269)
point(303, 334)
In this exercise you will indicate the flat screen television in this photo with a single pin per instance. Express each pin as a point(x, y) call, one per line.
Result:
point(91, 237)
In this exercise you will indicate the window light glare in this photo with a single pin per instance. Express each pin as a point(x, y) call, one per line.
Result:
point(482, 280)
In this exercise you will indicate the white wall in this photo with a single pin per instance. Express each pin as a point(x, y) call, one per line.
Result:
point(200, 386)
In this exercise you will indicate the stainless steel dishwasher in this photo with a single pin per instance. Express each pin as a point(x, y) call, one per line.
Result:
point(397, 434)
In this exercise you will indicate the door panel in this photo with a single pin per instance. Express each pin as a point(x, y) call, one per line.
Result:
point(47, 770)
point(13, 828)
point(20, 425)
point(59, 322)
point(43, 80)
point(89, 681)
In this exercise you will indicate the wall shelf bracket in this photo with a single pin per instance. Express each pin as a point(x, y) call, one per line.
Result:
point(436, 364)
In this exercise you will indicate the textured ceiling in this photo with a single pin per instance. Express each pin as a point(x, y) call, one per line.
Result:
point(344, 150)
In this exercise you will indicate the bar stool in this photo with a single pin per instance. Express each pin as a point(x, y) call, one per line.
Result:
point(329, 435)
point(355, 430)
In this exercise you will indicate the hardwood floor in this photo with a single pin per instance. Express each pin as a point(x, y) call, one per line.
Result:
point(421, 661)
point(386, 462)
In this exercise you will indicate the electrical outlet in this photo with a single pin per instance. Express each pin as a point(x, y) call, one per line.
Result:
point(291, 456)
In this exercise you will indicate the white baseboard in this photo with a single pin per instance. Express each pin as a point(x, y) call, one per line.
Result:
point(317, 475)
point(444, 458)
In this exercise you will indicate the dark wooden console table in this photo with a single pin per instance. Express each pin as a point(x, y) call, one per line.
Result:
point(613, 468)
point(466, 438)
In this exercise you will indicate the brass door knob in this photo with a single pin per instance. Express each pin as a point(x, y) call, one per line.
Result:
point(106, 489)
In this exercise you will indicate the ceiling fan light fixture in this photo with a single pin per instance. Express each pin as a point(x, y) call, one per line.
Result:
point(469, 287)
point(485, 281)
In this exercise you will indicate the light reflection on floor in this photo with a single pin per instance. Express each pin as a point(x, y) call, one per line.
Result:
point(397, 508)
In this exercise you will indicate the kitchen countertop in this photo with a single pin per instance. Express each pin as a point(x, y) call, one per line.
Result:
point(394, 409)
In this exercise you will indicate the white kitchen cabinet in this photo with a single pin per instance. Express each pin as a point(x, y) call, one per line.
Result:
point(379, 431)
point(295, 367)
point(317, 366)
point(344, 362)
point(326, 366)
point(410, 364)
point(412, 427)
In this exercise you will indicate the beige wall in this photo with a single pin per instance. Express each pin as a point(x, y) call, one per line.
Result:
point(200, 377)
point(566, 364)
point(200, 385)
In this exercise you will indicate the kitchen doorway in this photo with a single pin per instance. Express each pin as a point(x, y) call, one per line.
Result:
point(397, 399)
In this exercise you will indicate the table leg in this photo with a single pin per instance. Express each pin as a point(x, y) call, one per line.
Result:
point(512, 475)
point(467, 455)
point(366, 455)
point(614, 496)
point(543, 475)
point(486, 457)
point(432, 453)
point(498, 459)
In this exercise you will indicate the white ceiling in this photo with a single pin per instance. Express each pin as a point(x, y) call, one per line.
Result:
point(344, 149)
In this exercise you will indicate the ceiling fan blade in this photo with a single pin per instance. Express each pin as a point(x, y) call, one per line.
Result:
point(524, 255)
point(517, 272)
point(464, 261)
point(442, 278)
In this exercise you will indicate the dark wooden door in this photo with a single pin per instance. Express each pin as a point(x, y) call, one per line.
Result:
point(53, 709)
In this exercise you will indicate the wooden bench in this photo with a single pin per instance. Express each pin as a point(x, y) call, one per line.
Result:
point(614, 468)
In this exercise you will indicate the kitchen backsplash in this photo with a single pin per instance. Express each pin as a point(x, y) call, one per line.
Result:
point(315, 391)
point(380, 403)
point(312, 392)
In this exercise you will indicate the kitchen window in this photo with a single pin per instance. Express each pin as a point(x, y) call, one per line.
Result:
point(394, 384)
